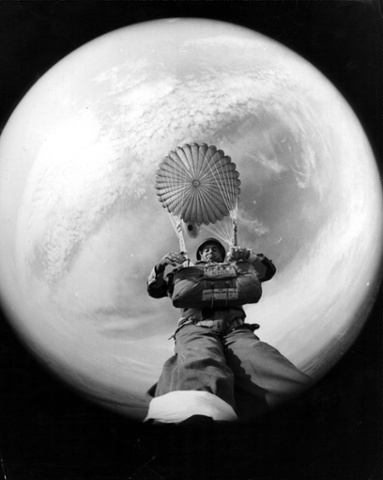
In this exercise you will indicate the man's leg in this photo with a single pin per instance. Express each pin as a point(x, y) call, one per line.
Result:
point(263, 376)
point(199, 364)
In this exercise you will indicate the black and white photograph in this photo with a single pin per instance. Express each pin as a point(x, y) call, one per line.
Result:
point(191, 240)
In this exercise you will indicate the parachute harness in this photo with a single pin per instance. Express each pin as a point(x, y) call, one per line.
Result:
point(199, 186)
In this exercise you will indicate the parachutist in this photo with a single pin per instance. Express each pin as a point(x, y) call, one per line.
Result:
point(220, 368)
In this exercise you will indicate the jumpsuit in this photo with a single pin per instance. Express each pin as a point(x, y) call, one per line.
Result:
point(217, 352)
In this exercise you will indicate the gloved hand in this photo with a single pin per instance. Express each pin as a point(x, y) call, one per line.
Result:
point(171, 258)
point(238, 253)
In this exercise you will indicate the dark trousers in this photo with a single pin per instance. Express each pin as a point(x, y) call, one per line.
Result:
point(248, 374)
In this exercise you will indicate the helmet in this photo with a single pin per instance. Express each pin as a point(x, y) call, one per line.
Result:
point(211, 240)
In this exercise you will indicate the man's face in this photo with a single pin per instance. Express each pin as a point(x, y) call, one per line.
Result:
point(211, 253)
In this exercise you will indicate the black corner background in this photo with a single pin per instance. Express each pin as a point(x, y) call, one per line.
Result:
point(333, 432)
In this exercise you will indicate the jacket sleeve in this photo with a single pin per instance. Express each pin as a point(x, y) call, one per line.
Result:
point(263, 266)
point(157, 286)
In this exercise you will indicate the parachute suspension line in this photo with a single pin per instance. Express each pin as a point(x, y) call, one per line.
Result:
point(226, 230)
point(215, 173)
point(235, 234)
point(173, 221)
point(180, 236)
point(181, 239)
point(231, 234)
point(222, 233)
point(176, 221)
point(177, 225)
point(175, 180)
point(233, 215)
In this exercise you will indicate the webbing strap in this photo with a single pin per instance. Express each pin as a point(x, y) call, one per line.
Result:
point(182, 243)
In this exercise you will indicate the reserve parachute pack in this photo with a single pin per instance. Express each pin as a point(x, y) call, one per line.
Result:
point(215, 285)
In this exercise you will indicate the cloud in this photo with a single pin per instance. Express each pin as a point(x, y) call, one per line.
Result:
point(272, 164)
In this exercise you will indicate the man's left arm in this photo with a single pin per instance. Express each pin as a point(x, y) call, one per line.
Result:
point(263, 265)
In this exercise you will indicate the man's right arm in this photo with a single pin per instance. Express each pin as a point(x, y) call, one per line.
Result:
point(157, 285)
